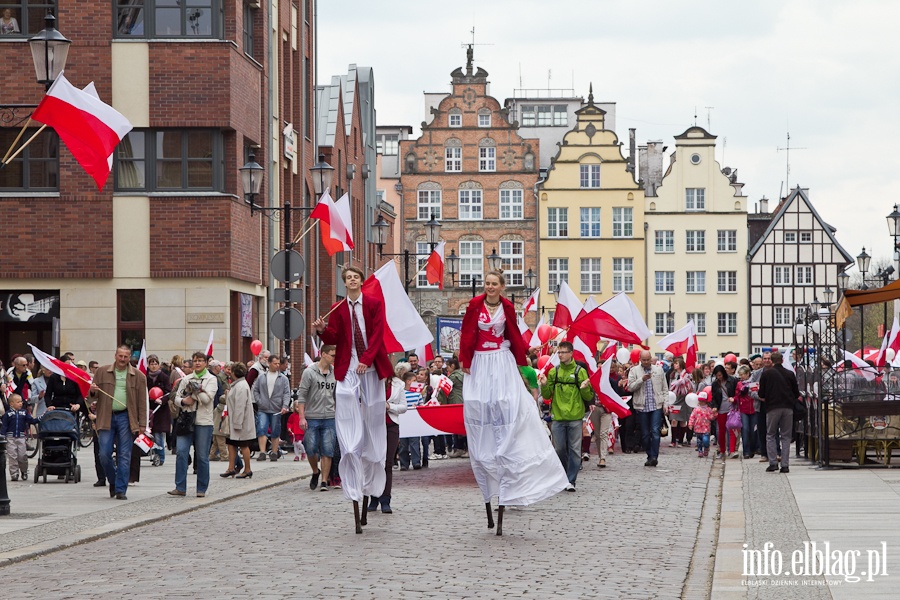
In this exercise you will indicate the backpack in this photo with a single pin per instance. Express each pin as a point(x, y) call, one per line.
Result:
point(587, 403)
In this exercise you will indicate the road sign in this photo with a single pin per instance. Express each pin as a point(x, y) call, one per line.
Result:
point(294, 295)
point(286, 323)
point(295, 266)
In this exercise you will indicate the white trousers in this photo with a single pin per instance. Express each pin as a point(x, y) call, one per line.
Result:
point(362, 434)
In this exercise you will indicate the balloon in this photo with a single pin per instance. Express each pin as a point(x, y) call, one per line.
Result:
point(256, 347)
point(635, 356)
point(672, 397)
point(730, 358)
point(542, 361)
point(708, 391)
point(622, 355)
point(691, 400)
point(156, 393)
point(890, 354)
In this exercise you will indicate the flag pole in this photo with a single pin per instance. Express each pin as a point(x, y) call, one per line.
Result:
point(333, 308)
point(301, 228)
point(300, 236)
point(16, 141)
point(7, 160)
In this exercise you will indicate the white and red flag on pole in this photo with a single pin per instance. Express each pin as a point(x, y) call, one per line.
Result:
point(568, 306)
point(434, 267)
point(617, 319)
point(90, 128)
point(531, 305)
point(553, 362)
point(609, 351)
point(335, 222)
point(404, 328)
point(425, 353)
point(607, 396)
point(583, 353)
point(535, 338)
point(64, 369)
point(316, 346)
point(142, 359)
point(209, 344)
point(523, 330)
point(862, 366)
point(892, 341)
point(682, 343)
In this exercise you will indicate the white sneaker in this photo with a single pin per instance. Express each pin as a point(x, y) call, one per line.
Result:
point(570, 488)
point(434, 456)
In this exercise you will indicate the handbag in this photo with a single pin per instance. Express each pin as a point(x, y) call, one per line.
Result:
point(733, 421)
point(184, 424)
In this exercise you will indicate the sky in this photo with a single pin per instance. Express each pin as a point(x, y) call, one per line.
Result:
point(825, 71)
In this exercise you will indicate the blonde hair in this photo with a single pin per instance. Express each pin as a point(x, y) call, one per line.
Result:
point(498, 275)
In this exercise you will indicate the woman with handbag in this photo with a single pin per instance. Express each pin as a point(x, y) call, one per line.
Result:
point(723, 400)
point(194, 425)
point(241, 425)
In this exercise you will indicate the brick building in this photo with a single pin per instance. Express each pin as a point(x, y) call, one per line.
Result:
point(168, 249)
point(472, 170)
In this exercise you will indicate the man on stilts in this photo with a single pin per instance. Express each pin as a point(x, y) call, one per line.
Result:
point(360, 367)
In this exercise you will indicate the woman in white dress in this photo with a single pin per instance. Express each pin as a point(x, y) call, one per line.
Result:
point(511, 455)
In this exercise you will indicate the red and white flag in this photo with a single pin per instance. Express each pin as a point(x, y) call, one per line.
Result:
point(142, 359)
point(434, 268)
point(553, 362)
point(316, 346)
point(682, 343)
point(609, 351)
point(425, 353)
point(583, 353)
point(64, 369)
point(523, 330)
point(568, 306)
point(892, 341)
point(535, 338)
point(404, 328)
point(607, 396)
point(90, 128)
point(617, 319)
point(335, 222)
point(421, 421)
point(862, 366)
point(209, 344)
point(445, 384)
point(531, 305)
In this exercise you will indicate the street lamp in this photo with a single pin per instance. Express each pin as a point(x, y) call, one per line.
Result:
point(494, 261)
point(49, 51)
point(843, 281)
point(862, 261)
point(893, 220)
point(323, 173)
point(379, 234)
point(433, 228)
point(530, 281)
point(828, 294)
point(251, 180)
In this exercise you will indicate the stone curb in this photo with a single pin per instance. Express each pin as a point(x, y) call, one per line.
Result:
point(726, 582)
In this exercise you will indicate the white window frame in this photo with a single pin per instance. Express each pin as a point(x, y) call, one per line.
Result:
point(727, 240)
point(790, 237)
point(591, 275)
point(803, 275)
point(471, 205)
point(512, 261)
point(484, 120)
point(452, 159)
point(781, 275)
point(557, 270)
point(623, 222)
point(623, 275)
point(664, 241)
point(695, 241)
point(589, 177)
point(560, 115)
point(699, 322)
point(428, 202)
point(512, 203)
point(727, 323)
point(726, 282)
point(471, 261)
point(806, 237)
point(782, 316)
point(664, 282)
point(558, 222)
point(455, 120)
point(531, 121)
point(695, 199)
point(544, 115)
point(695, 282)
point(662, 324)
point(589, 222)
point(487, 159)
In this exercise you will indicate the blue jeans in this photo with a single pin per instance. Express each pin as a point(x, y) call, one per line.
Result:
point(119, 432)
point(702, 441)
point(268, 424)
point(159, 439)
point(567, 443)
point(320, 438)
point(650, 422)
point(410, 451)
point(748, 434)
point(201, 439)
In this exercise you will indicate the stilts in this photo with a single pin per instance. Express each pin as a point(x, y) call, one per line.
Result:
point(365, 511)
point(500, 520)
point(356, 516)
point(487, 508)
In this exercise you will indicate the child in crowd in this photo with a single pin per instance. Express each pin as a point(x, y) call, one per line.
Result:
point(15, 423)
point(293, 427)
point(699, 424)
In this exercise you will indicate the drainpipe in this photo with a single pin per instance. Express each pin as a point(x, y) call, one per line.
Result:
point(273, 172)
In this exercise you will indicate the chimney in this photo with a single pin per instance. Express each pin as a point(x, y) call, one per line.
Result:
point(630, 163)
point(764, 205)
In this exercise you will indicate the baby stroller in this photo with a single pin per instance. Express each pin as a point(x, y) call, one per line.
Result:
point(58, 434)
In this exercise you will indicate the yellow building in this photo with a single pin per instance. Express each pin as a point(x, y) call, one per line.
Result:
point(591, 216)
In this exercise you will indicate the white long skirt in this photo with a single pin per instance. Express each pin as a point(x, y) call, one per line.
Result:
point(511, 454)
point(361, 433)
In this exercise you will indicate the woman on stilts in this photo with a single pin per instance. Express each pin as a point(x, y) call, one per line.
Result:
point(511, 455)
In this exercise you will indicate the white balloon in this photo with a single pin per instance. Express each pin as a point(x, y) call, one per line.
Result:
point(890, 354)
point(672, 397)
point(622, 355)
point(691, 400)
point(817, 327)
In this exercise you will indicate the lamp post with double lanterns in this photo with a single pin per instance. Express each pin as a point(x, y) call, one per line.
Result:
point(862, 262)
point(495, 263)
point(380, 233)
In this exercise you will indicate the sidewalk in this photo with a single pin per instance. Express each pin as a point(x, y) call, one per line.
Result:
point(846, 513)
point(55, 515)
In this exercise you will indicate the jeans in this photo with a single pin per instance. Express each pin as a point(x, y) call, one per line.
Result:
point(650, 422)
point(748, 434)
point(159, 439)
point(410, 451)
point(567, 443)
point(702, 441)
point(783, 419)
point(119, 432)
point(201, 439)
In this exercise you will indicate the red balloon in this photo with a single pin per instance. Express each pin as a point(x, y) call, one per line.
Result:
point(708, 390)
point(635, 357)
point(730, 358)
point(543, 360)
point(256, 347)
point(156, 393)
point(545, 333)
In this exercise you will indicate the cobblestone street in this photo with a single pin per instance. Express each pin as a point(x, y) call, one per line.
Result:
point(628, 532)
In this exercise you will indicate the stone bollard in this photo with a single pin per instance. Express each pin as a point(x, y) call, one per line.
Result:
point(4, 494)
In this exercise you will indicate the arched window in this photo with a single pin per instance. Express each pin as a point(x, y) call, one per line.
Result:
point(487, 155)
point(484, 117)
point(455, 117)
point(428, 201)
point(453, 156)
point(512, 200)
point(471, 201)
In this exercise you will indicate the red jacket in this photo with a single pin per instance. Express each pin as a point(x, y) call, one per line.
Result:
point(340, 333)
point(469, 335)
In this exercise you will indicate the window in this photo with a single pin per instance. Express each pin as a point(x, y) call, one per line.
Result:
point(470, 205)
point(804, 275)
point(665, 242)
point(423, 251)
point(379, 196)
point(696, 282)
point(168, 18)
point(26, 17)
point(701, 357)
point(590, 222)
point(484, 118)
point(727, 240)
point(511, 203)
point(557, 271)
point(471, 262)
point(453, 159)
point(699, 322)
point(36, 168)
point(623, 275)
point(728, 323)
point(590, 275)
point(487, 159)
point(173, 159)
point(805, 237)
point(590, 176)
point(545, 116)
point(512, 261)
point(665, 282)
point(429, 203)
point(727, 282)
point(456, 119)
point(622, 222)
point(695, 241)
point(388, 145)
point(695, 199)
point(664, 326)
point(782, 276)
point(560, 115)
point(783, 316)
point(558, 222)
point(790, 237)
point(249, 22)
point(130, 318)
point(529, 118)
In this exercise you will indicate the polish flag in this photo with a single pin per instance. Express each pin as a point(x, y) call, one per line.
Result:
point(316, 347)
point(589, 305)
point(892, 341)
point(682, 343)
point(142, 359)
point(553, 362)
point(607, 396)
point(535, 341)
point(335, 222)
point(617, 319)
point(90, 128)
point(568, 306)
point(523, 330)
point(432, 420)
point(609, 351)
point(425, 353)
point(209, 344)
point(531, 305)
point(404, 328)
point(583, 353)
point(862, 366)
point(64, 369)
point(434, 266)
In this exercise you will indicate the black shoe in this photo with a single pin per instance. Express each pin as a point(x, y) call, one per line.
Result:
point(785, 470)
point(121, 497)
point(112, 491)
point(654, 462)
point(373, 503)
point(261, 457)
point(314, 481)
point(100, 484)
point(771, 468)
point(416, 467)
point(647, 463)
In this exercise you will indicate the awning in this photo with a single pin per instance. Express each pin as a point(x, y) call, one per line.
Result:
point(864, 297)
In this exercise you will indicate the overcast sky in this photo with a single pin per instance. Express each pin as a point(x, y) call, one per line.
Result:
point(825, 70)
